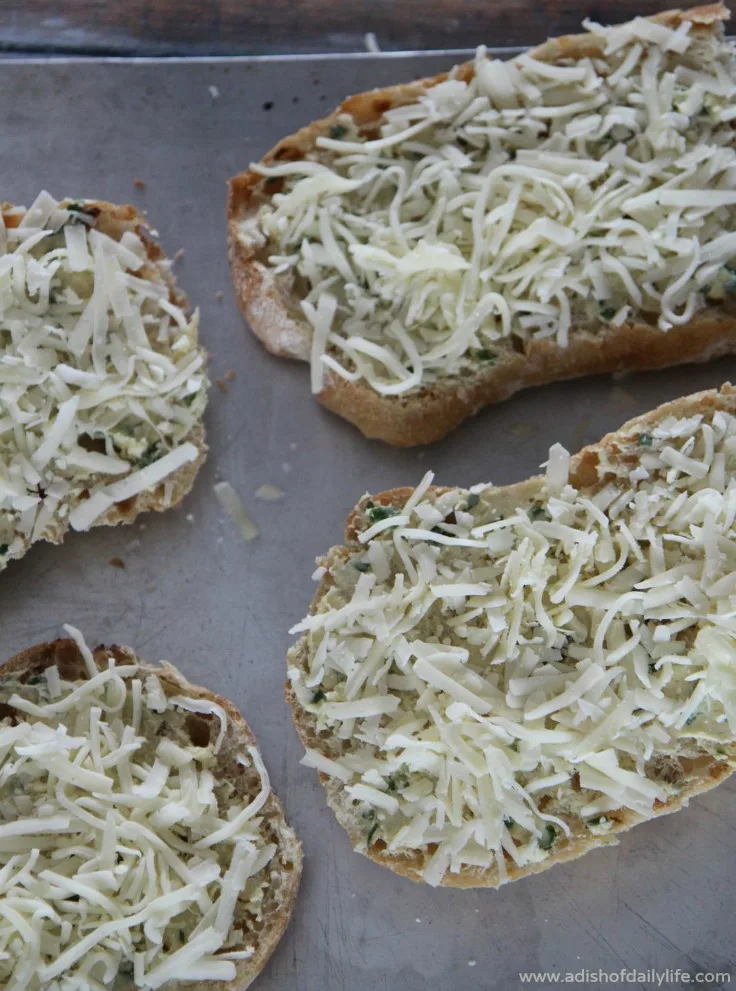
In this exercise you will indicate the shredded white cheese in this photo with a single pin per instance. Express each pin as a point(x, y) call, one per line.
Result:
point(535, 200)
point(236, 510)
point(492, 679)
point(101, 379)
point(122, 850)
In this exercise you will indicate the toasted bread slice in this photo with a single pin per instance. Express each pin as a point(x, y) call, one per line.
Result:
point(238, 776)
point(494, 367)
point(477, 693)
point(63, 488)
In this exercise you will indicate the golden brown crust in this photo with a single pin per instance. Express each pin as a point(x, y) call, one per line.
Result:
point(430, 414)
point(701, 774)
point(114, 219)
point(425, 416)
point(68, 658)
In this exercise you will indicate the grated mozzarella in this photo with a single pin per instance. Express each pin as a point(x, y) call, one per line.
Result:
point(93, 382)
point(235, 508)
point(534, 200)
point(119, 854)
point(479, 697)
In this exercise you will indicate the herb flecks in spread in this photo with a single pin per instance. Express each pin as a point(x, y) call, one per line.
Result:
point(535, 200)
point(500, 678)
point(101, 380)
point(122, 849)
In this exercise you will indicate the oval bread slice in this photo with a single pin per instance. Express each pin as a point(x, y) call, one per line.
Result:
point(58, 511)
point(235, 773)
point(270, 301)
point(348, 752)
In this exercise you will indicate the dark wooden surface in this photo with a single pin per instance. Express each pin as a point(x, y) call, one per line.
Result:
point(242, 27)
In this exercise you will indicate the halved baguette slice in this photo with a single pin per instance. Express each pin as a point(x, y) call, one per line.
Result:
point(497, 680)
point(184, 748)
point(587, 320)
point(103, 385)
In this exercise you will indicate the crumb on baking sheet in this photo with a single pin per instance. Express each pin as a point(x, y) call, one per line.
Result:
point(179, 255)
point(222, 385)
point(139, 184)
point(285, 467)
point(219, 295)
point(230, 375)
point(269, 493)
point(117, 562)
point(214, 92)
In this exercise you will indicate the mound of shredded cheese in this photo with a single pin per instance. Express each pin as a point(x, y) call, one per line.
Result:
point(492, 677)
point(120, 850)
point(101, 380)
point(536, 200)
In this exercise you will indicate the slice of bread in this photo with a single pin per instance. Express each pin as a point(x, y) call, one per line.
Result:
point(46, 498)
point(448, 672)
point(491, 365)
point(238, 775)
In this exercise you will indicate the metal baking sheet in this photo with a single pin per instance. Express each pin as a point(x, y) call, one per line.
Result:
point(193, 592)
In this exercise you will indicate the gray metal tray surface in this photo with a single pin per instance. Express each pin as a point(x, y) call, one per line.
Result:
point(194, 592)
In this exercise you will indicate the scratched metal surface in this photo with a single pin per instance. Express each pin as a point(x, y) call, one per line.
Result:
point(193, 592)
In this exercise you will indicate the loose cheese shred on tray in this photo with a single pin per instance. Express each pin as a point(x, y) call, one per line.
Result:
point(491, 680)
point(536, 200)
point(236, 510)
point(109, 858)
point(101, 379)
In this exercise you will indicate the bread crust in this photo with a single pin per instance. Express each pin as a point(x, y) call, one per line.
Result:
point(68, 658)
point(114, 220)
point(701, 774)
point(271, 308)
